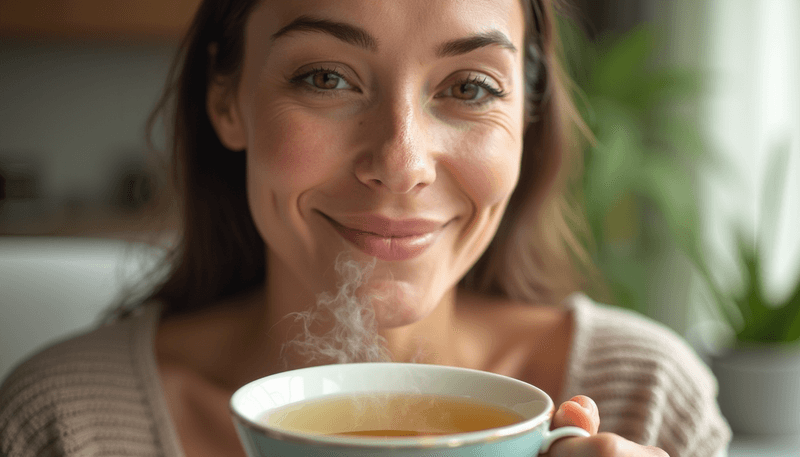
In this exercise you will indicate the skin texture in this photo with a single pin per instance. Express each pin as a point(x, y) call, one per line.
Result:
point(390, 142)
point(581, 411)
point(387, 126)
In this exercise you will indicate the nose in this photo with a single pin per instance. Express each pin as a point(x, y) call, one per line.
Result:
point(398, 156)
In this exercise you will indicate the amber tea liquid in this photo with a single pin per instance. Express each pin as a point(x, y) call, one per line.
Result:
point(391, 415)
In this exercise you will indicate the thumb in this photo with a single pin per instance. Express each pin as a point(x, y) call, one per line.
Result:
point(579, 411)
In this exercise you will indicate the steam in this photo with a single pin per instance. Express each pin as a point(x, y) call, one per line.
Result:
point(353, 336)
point(342, 328)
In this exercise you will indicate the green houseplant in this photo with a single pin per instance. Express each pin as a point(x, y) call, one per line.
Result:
point(638, 186)
point(749, 311)
point(640, 195)
point(758, 320)
point(759, 369)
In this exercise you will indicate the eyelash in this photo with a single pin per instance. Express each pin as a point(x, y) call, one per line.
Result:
point(299, 81)
point(480, 81)
point(477, 80)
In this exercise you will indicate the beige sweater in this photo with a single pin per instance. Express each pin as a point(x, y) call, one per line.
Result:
point(99, 394)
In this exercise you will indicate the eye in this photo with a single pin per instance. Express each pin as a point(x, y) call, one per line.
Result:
point(323, 80)
point(468, 91)
point(473, 90)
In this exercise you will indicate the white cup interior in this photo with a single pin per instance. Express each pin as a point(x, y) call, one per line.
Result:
point(256, 399)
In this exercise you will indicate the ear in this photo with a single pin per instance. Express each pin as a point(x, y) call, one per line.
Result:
point(223, 111)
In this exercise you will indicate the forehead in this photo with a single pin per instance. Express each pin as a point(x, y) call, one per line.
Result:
point(409, 23)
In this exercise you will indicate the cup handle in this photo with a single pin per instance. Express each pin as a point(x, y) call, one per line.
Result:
point(551, 436)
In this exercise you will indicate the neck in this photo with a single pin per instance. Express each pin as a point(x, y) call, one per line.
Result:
point(296, 324)
point(429, 340)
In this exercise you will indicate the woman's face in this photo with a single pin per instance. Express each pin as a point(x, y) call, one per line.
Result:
point(387, 130)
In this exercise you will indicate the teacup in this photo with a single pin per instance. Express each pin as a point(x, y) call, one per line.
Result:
point(281, 415)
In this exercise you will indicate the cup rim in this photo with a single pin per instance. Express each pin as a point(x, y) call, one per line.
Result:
point(409, 443)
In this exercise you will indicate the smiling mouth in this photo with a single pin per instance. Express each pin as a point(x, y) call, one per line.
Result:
point(390, 240)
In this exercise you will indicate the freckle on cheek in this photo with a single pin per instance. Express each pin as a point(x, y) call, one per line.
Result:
point(294, 158)
point(298, 151)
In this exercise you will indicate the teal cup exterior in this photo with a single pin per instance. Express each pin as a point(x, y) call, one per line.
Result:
point(529, 437)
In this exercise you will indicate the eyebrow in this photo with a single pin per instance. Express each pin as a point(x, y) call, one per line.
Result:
point(468, 44)
point(348, 33)
point(357, 36)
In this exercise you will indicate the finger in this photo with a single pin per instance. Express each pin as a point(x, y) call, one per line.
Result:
point(602, 445)
point(579, 411)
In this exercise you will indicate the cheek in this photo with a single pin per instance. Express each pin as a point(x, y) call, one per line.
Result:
point(488, 167)
point(288, 153)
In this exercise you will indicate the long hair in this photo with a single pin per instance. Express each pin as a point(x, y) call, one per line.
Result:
point(534, 257)
point(539, 253)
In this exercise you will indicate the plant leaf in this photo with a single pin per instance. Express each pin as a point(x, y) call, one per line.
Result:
point(673, 193)
point(618, 74)
point(772, 198)
point(792, 306)
point(612, 164)
point(751, 302)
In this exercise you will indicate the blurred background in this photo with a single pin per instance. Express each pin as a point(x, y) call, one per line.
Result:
point(695, 106)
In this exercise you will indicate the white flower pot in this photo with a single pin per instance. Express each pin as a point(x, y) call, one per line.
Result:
point(759, 388)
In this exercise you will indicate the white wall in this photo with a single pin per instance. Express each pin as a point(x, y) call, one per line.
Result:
point(753, 59)
point(53, 287)
point(79, 109)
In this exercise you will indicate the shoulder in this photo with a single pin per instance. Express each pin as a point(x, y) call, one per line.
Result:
point(603, 331)
point(48, 401)
point(649, 384)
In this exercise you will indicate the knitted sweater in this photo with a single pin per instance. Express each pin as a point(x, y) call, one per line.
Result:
point(99, 394)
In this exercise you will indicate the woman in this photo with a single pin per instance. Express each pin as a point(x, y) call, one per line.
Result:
point(428, 141)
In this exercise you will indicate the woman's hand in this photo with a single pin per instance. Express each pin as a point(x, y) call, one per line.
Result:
point(581, 411)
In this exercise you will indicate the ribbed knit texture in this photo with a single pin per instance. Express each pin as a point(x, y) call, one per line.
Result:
point(649, 385)
point(99, 394)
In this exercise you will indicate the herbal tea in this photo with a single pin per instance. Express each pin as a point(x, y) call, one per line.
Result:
point(391, 415)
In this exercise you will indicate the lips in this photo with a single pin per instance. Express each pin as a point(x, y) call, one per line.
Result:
point(388, 239)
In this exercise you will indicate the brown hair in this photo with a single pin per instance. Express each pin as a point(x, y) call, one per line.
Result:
point(220, 253)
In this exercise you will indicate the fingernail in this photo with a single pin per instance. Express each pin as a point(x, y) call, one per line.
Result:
point(586, 403)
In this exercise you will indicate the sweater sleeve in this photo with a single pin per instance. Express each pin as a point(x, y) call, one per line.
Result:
point(84, 396)
point(649, 385)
